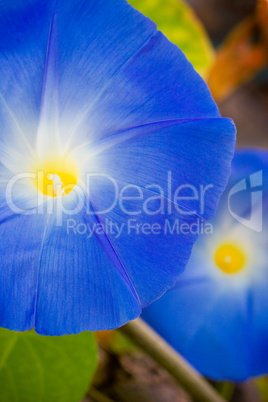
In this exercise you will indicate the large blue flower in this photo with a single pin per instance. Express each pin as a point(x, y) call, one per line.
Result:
point(94, 100)
point(216, 315)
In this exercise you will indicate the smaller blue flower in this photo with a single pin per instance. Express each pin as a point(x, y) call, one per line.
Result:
point(216, 315)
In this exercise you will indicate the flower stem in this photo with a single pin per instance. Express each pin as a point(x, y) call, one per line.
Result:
point(148, 340)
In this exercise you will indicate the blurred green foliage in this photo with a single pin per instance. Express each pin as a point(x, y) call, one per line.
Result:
point(179, 23)
point(44, 368)
point(262, 385)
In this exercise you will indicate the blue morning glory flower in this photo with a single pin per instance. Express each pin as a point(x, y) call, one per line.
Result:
point(102, 119)
point(216, 315)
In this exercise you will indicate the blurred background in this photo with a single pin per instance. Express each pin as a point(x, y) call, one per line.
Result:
point(239, 77)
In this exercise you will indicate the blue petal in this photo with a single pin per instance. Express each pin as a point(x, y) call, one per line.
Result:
point(207, 325)
point(157, 83)
point(246, 163)
point(151, 249)
point(24, 31)
point(149, 156)
point(82, 284)
point(107, 61)
point(257, 319)
point(110, 69)
point(21, 232)
point(21, 237)
point(60, 281)
point(195, 152)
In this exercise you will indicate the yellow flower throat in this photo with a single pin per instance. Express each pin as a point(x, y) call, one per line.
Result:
point(56, 177)
point(230, 258)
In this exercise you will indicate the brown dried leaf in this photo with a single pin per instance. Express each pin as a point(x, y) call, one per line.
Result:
point(243, 54)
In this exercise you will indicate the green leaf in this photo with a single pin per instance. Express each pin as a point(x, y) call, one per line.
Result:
point(179, 23)
point(43, 368)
